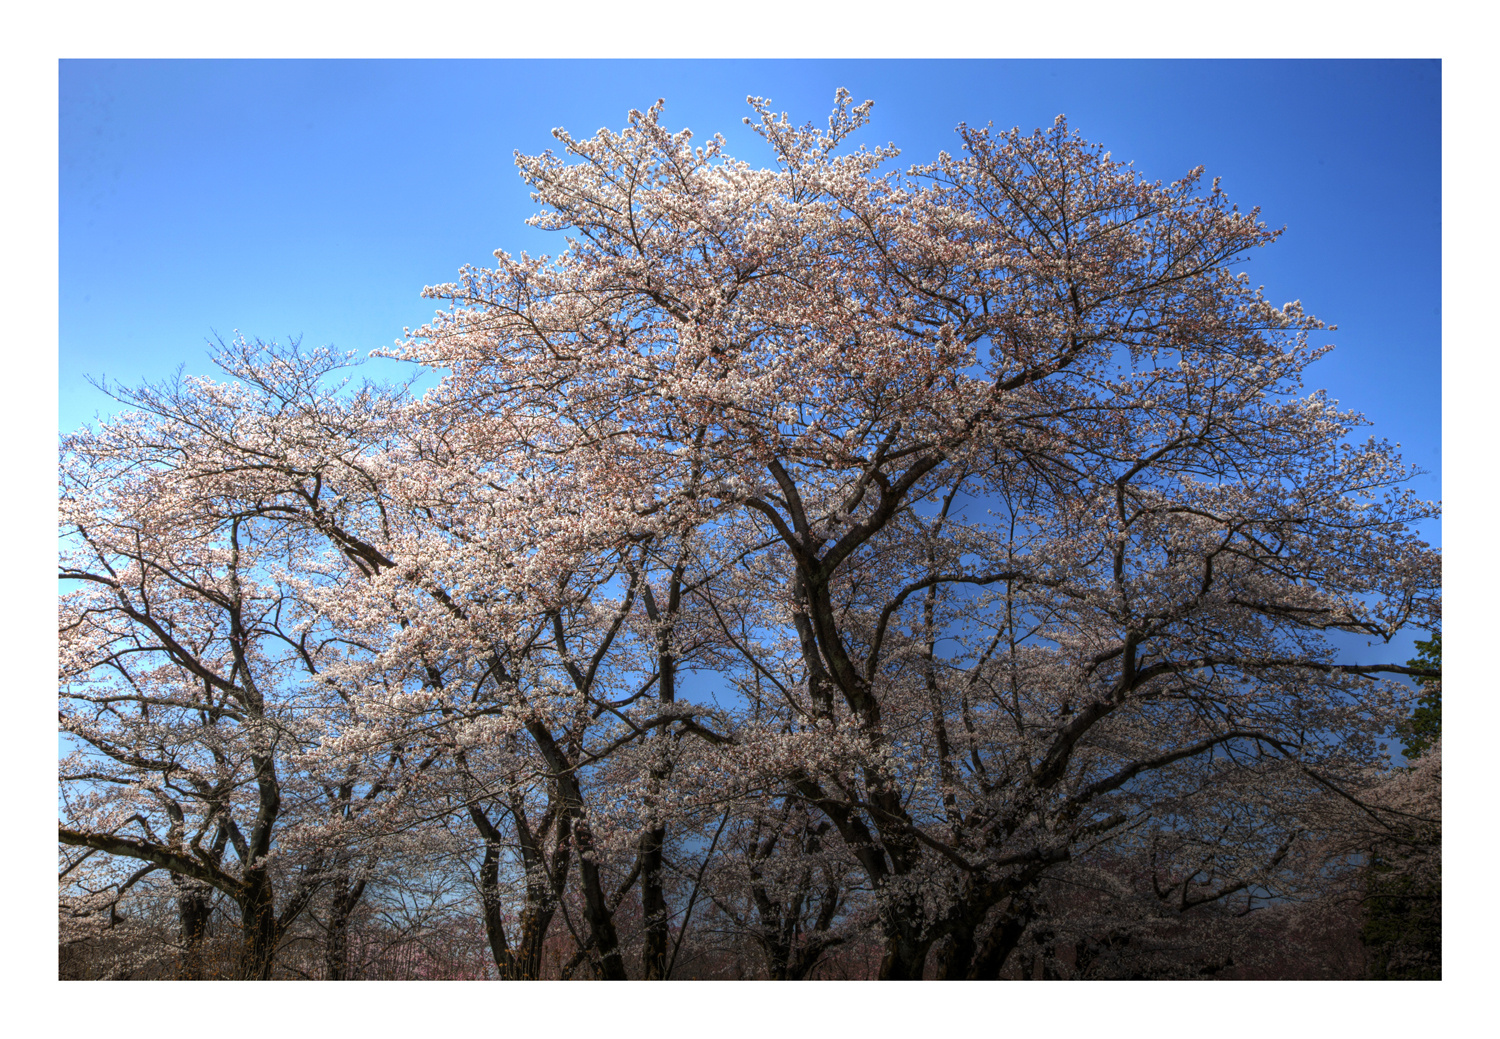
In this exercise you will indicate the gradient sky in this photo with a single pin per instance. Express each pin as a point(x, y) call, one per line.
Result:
point(317, 198)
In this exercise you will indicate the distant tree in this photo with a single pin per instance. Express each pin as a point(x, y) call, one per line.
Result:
point(1425, 725)
point(1403, 926)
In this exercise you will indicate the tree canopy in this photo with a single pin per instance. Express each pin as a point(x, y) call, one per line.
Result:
point(849, 556)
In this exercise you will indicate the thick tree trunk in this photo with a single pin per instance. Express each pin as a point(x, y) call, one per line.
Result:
point(801, 961)
point(545, 884)
point(778, 961)
point(954, 956)
point(785, 960)
point(1002, 940)
point(653, 893)
point(193, 912)
point(524, 962)
point(596, 909)
point(904, 959)
point(528, 955)
point(258, 933)
point(654, 906)
point(596, 912)
point(489, 901)
point(336, 950)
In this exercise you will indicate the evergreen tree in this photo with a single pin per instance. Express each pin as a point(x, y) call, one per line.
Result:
point(1403, 929)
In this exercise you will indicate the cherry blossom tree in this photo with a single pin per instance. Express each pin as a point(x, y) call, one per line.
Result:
point(832, 376)
point(835, 549)
point(197, 663)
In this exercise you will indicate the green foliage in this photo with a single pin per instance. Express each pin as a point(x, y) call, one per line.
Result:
point(1403, 929)
point(1426, 723)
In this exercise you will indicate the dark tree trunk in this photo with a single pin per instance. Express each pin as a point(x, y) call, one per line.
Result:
point(653, 906)
point(596, 912)
point(954, 956)
point(905, 957)
point(524, 962)
point(1002, 940)
point(545, 884)
point(528, 955)
point(336, 951)
point(489, 901)
point(653, 894)
point(258, 932)
point(194, 909)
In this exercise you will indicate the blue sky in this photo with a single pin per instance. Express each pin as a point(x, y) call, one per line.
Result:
point(316, 199)
point(319, 199)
